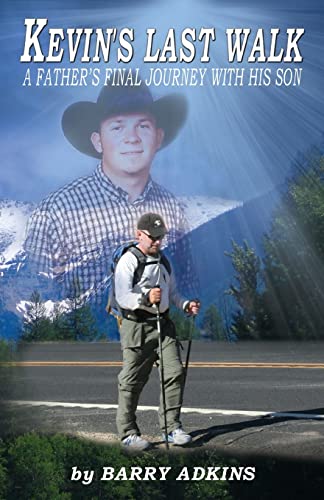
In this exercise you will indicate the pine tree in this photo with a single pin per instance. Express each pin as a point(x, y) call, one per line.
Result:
point(251, 319)
point(212, 324)
point(61, 328)
point(37, 326)
point(80, 322)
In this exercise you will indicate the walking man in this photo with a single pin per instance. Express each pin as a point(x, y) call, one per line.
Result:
point(138, 302)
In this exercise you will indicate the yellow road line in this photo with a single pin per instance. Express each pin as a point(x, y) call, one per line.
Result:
point(194, 364)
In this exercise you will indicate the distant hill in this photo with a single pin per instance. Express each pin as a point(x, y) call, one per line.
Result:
point(248, 222)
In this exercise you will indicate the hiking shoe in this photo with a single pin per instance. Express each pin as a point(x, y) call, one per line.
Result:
point(135, 442)
point(178, 437)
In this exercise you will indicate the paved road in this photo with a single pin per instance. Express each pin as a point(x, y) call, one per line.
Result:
point(230, 401)
point(201, 351)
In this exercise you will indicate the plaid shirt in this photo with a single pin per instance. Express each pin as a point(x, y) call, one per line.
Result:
point(72, 234)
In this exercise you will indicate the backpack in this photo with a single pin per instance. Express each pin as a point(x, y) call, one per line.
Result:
point(113, 307)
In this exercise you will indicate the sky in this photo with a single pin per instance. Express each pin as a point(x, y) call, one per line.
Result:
point(239, 142)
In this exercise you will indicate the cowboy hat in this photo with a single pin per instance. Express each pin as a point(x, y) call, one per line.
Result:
point(83, 118)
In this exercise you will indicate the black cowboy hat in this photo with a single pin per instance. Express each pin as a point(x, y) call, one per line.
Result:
point(83, 118)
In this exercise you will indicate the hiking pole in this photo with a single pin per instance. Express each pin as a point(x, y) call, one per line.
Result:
point(158, 321)
point(192, 327)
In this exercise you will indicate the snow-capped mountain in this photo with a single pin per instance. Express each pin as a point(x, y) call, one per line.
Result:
point(202, 209)
point(14, 216)
point(13, 220)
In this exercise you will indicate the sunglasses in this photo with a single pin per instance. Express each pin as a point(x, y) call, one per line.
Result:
point(153, 238)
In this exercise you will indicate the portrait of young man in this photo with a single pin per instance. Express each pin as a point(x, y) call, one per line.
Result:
point(73, 232)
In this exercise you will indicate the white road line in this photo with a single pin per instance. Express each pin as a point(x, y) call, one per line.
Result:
point(203, 411)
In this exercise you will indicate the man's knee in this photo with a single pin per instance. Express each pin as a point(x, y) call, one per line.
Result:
point(131, 382)
point(174, 372)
